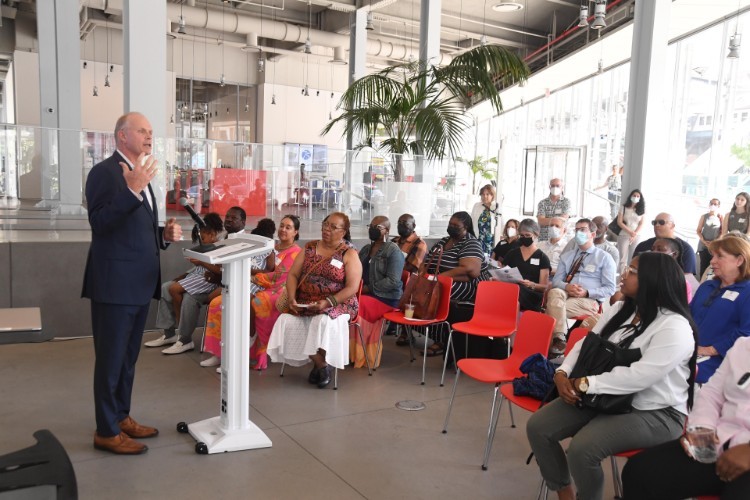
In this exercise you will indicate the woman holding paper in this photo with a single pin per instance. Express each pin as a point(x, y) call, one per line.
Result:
point(533, 265)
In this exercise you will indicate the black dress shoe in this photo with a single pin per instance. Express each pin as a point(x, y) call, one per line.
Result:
point(314, 376)
point(324, 377)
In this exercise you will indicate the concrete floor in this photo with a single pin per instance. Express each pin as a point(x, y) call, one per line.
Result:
point(351, 443)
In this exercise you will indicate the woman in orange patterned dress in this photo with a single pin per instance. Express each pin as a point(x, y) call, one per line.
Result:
point(263, 303)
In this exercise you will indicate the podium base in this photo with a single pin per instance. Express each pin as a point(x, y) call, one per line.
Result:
point(220, 440)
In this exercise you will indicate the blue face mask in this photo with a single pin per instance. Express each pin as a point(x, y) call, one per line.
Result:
point(581, 237)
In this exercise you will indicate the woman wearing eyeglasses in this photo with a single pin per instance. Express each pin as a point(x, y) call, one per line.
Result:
point(322, 291)
point(655, 316)
point(720, 306)
point(382, 265)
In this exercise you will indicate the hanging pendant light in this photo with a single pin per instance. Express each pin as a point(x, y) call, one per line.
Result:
point(96, 91)
point(273, 99)
point(600, 10)
point(369, 26)
point(734, 46)
point(583, 18)
point(106, 81)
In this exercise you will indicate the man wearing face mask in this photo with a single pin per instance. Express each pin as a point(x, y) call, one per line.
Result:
point(382, 263)
point(412, 246)
point(600, 240)
point(664, 228)
point(555, 245)
point(555, 205)
point(585, 277)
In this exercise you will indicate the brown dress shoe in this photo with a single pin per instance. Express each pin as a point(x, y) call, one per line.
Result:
point(136, 430)
point(119, 445)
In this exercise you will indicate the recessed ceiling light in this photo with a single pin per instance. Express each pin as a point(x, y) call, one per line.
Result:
point(507, 7)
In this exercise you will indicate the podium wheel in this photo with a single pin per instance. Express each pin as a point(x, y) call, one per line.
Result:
point(201, 448)
point(182, 428)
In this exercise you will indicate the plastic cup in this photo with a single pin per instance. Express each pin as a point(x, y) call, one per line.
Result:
point(409, 311)
point(702, 442)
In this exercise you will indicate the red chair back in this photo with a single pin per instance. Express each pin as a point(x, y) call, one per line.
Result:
point(446, 282)
point(496, 303)
point(534, 336)
point(576, 335)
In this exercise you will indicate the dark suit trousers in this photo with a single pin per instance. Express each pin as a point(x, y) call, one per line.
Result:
point(118, 331)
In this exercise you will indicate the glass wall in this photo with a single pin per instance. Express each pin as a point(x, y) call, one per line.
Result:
point(707, 101)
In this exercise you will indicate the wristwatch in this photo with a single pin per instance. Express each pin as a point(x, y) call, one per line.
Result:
point(583, 384)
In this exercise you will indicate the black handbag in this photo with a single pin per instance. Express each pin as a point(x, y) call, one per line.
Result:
point(614, 227)
point(599, 356)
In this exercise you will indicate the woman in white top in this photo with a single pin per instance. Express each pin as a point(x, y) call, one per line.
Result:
point(655, 310)
point(630, 219)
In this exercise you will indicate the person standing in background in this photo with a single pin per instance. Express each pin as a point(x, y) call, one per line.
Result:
point(487, 214)
point(709, 228)
point(122, 276)
point(555, 205)
point(737, 218)
point(614, 190)
point(630, 220)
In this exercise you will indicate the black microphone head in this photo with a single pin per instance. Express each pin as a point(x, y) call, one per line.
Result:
point(183, 201)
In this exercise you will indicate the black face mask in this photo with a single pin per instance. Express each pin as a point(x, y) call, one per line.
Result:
point(454, 232)
point(374, 234)
point(526, 241)
point(404, 232)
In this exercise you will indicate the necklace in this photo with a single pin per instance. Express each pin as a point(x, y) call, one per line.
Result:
point(281, 249)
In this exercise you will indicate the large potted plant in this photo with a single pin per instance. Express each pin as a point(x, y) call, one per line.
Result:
point(421, 109)
point(481, 169)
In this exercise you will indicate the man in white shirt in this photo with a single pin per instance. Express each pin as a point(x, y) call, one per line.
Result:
point(555, 246)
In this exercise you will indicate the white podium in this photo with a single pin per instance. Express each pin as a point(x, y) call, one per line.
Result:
point(232, 430)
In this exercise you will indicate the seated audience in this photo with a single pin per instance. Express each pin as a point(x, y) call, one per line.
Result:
point(556, 244)
point(600, 240)
point(669, 471)
point(412, 246)
point(382, 264)
point(269, 286)
point(508, 242)
point(672, 247)
point(584, 278)
point(322, 291)
point(181, 298)
point(720, 305)
point(462, 260)
point(655, 315)
point(664, 228)
point(533, 265)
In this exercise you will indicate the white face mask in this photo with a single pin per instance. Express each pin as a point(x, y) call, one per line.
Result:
point(555, 191)
point(635, 199)
point(511, 232)
point(713, 208)
point(554, 232)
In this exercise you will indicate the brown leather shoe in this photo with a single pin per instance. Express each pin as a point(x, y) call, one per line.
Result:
point(119, 445)
point(136, 430)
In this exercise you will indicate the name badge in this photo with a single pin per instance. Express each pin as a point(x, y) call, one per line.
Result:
point(730, 295)
point(278, 261)
point(740, 221)
point(534, 262)
point(589, 268)
point(557, 211)
point(336, 263)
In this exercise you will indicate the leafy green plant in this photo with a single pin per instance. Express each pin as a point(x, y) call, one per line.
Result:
point(480, 169)
point(421, 110)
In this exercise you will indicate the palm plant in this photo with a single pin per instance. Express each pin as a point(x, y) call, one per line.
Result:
point(422, 110)
point(479, 169)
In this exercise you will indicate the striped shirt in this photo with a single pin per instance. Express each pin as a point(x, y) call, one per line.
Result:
point(469, 247)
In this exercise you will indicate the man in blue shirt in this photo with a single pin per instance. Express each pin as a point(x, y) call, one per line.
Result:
point(585, 278)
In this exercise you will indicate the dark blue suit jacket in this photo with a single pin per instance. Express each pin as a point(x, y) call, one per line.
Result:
point(123, 261)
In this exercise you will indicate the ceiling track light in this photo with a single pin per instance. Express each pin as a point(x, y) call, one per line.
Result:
point(583, 18)
point(600, 10)
point(734, 46)
point(369, 26)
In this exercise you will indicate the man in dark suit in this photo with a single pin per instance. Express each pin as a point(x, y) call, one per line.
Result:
point(122, 276)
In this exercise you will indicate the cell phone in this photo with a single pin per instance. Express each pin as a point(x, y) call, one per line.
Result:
point(744, 381)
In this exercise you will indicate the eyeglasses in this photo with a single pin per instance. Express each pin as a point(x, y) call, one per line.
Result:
point(328, 225)
point(379, 227)
point(630, 270)
point(660, 222)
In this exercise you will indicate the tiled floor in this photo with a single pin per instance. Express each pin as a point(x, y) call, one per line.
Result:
point(351, 443)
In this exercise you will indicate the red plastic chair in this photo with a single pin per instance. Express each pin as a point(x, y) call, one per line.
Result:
point(442, 314)
point(495, 314)
point(534, 336)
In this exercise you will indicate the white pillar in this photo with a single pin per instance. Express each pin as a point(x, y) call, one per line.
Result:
point(145, 56)
point(645, 141)
point(429, 52)
point(59, 88)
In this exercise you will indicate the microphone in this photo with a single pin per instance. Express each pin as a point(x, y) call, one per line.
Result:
point(197, 218)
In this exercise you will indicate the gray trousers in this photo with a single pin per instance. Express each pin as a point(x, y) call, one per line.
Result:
point(189, 311)
point(596, 436)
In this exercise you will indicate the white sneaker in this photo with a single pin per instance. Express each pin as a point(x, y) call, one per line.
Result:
point(163, 340)
point(212, 361)
point(179, 348)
